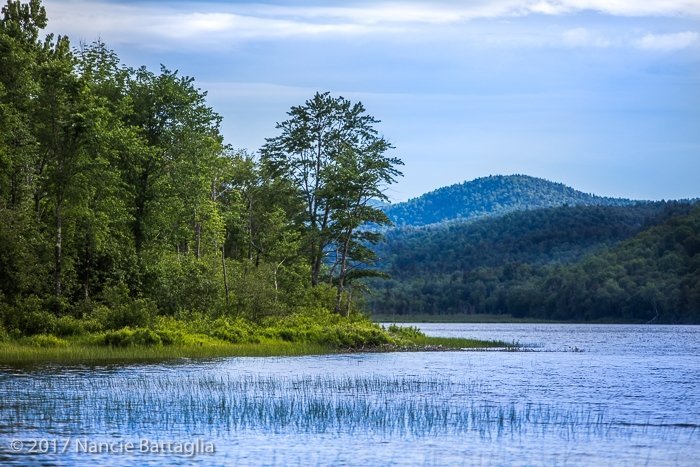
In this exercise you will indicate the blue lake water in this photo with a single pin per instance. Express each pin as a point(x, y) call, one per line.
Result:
point(580, 395)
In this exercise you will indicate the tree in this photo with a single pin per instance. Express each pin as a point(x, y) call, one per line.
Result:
point(171, 178)
point(332, 154)
point(358, 179)
point(20, 52)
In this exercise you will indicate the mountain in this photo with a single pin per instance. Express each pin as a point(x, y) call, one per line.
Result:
point(491, 196)
point(626, 263)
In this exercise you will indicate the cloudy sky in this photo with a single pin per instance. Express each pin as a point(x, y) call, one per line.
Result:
point(603, 95)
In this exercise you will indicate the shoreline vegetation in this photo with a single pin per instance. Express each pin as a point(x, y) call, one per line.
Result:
point(310, 333)
point(129, 229)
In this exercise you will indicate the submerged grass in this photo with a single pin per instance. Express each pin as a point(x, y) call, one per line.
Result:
point(224, 404)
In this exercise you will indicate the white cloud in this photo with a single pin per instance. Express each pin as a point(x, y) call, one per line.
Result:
point(668, 42)
point(212, 24)
point(582, 37)
point(617, 7)
point(446, 12)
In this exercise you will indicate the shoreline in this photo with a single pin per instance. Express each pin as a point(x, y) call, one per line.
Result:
point(422, 318)
point(17, 353)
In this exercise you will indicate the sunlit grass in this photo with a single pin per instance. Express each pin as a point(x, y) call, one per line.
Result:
point(17, 353)
point(200, 336)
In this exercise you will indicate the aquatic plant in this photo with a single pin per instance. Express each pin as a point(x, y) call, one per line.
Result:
point(386, 405)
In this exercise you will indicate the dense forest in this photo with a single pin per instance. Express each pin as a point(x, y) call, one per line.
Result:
point(637, 263)
point(491, 196)
point(120, 201)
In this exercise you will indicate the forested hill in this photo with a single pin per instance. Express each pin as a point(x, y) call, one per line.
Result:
point(551, 235)
point(489, 196)
point(567, 263)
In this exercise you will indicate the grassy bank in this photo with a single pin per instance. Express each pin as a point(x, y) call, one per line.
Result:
point(20, 352)
point(311, 332)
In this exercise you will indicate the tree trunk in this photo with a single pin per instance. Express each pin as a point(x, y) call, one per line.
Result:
point(223, 268)
point(88, 260)
point(279, 265)
point(198, 239)
point(317, 249)
point(58, 251)
point(343, 271)
point(347, 309)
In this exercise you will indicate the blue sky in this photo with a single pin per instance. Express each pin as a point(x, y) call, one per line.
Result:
point(603, 95)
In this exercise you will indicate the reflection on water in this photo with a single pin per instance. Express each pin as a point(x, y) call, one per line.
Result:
point(629, 396)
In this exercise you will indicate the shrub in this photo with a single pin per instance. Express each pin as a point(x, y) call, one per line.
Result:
point(407, 332)
point(127, 337)
point(68, 326)
point(44, 340)
point(320, 326)
point(236, 332)
point(170, 337)
point(135, 313)
point(29, 317)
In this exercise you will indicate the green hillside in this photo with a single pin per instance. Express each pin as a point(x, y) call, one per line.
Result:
point(489, 196)
point(635, 263)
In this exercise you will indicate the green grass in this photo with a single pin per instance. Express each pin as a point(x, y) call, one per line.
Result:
point(310, 333)
point(17, 352)
point(458, 343)
point(22, 352)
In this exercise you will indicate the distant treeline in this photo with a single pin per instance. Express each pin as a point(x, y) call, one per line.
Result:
point(629, 263)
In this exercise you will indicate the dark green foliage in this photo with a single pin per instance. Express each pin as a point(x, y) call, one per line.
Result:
point(491, 196)
point(120, 203)
point(541, 236)
point(69, 326)
point(637, 263)
point(335, 161)
point(126, 337)
point(138, 312)
point(233, 331)
point(28, 316)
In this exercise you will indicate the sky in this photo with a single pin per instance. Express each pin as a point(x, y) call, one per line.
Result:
point(603, 95)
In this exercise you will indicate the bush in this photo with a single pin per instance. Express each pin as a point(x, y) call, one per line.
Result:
point(68, 326)
point(320, 326)
point(407, 332)
point(29, 317)
point(135, 313)
point(236, 332)
point(44, 340)
point(169, 337)
point(127, 337)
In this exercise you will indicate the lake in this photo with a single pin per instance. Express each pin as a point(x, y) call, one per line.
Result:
point(576, 395)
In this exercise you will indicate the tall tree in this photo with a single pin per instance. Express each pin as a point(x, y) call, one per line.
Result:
point(171, 179)
point(324, 139)
point(21, 51)
point(61, 131)
point(356, 184)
